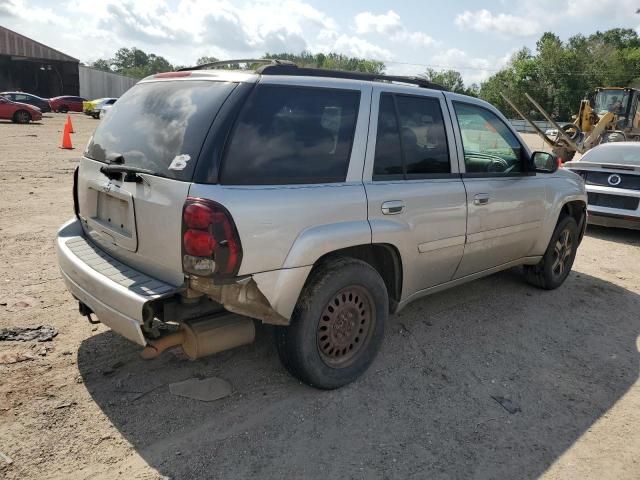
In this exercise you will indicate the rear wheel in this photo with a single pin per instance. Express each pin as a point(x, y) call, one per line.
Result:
point(557, 261)
point(337, 326)
point(22, 116)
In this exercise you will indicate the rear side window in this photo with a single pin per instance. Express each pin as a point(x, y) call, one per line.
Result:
point(292, 135)
point(411, 140)
point(160, 126)
point(388, 159)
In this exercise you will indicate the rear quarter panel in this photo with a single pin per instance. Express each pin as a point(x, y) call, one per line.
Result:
point(288, 226)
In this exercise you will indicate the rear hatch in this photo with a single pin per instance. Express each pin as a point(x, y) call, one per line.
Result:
point(136, 171)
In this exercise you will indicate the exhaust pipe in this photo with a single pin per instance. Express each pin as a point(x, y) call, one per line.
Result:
point(202, 337)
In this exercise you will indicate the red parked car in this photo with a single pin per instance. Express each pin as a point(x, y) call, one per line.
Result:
point(19, 112)
point(66, 103)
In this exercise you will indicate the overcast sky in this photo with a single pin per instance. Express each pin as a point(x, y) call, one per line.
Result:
point(474, 37)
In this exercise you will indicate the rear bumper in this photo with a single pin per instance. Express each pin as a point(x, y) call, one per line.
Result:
point(117, 294)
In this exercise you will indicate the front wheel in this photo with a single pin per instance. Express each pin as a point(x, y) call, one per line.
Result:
point(22, 116)
point(337, 326)
point(557, 261)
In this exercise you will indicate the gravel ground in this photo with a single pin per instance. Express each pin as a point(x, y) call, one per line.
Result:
point(85, 405)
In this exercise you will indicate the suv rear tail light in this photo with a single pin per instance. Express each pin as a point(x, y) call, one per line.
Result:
point(210, 241)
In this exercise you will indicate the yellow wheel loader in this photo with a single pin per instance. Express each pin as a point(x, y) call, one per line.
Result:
point(613, 116)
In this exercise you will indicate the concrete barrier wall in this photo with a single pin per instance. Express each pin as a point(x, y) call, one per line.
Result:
point(98, 84)
point(524, 127)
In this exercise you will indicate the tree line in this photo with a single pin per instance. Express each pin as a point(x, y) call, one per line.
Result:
point(557, 74)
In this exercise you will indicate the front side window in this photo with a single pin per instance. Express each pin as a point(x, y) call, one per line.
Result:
point(411, 140)
point(489, 145)
point(292, 135)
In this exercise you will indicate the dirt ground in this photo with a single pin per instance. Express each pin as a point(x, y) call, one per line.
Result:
point(85, 405)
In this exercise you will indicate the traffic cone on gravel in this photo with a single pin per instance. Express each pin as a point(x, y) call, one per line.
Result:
point(70, 124)
point(66, 138)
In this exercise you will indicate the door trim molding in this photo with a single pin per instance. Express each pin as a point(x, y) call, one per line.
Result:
point(500, 232)
point(442, 243)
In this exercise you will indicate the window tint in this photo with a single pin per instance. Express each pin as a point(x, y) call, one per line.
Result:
point(160, 126)
point(424, 142)
point(292, 135)
point(388, 158)
point(20, 98)
point(489, 145)
point(414, 142)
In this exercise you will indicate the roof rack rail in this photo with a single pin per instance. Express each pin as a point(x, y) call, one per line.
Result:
point(292, 69)
point(220, 63)
point(274, 66)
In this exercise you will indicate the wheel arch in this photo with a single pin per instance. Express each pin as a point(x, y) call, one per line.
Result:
point(383, 257)
point(282, 288)
point(578, 210)
point(15, 114)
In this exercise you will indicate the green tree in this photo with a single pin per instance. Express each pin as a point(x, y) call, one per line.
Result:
point(204, 60)
point(101, 64)
point(559, 74)
point(134, 62)
point(333, 61)
point(450, 79)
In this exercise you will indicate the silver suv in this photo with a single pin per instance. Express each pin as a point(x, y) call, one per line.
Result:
point(317, 201)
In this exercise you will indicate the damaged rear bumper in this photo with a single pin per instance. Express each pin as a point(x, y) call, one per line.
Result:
point(118, 294)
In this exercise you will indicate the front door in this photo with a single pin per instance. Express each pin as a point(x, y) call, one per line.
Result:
point(505, 200)
point(416, 199)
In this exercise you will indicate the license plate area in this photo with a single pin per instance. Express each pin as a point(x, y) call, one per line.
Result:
point(112, 215)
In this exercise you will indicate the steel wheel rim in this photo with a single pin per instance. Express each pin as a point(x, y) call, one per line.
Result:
point(562, 251)
point(345, 326)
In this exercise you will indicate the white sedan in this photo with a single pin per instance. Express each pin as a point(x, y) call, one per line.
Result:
point(611, 172)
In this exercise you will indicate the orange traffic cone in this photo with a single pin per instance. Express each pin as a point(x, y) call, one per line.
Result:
point(66, 138)
point(69, 123)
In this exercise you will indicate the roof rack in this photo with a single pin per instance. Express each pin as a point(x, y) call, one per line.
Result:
point(273, 66)
point(220, 63)
point(292, 69)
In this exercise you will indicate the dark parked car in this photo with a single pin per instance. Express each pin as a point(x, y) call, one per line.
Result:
point(66, 104)
point(18, 112)
point(41, 103)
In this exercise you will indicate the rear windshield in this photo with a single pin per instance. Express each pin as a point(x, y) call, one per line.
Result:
point(160, 126)
point(292, 135)
point(625, 153)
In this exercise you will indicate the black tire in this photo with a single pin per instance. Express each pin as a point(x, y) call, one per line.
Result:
point(22, 116)
point(63, 109)
point(555, 266)
point(337, 325)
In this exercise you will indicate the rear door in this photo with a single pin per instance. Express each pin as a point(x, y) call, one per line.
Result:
point(159, 126)
point(506, 202)
point(416, 199)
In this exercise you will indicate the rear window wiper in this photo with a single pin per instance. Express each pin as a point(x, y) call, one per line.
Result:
point(131, 174)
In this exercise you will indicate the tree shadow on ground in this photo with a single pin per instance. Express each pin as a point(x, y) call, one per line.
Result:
point(425, 408)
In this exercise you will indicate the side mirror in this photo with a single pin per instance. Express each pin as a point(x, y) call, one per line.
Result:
point(544, 162)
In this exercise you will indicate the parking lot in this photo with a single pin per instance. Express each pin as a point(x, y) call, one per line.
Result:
point(493, 379)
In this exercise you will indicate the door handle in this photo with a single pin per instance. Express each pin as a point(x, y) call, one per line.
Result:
point(481, 199)
point(393, 207)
